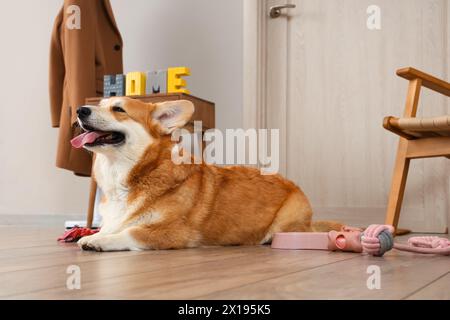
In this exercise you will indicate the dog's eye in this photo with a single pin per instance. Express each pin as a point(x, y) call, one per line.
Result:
point(117, 109)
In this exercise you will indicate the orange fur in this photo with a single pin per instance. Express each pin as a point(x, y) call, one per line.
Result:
point(201, 204)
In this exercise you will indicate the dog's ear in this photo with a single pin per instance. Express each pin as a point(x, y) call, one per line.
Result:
point(171, 115)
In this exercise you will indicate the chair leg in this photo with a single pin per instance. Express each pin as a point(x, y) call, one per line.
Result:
point(91, 205)
point(92, 195)
point(398, 184)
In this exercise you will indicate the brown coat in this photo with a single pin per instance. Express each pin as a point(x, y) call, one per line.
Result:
point(79, 58)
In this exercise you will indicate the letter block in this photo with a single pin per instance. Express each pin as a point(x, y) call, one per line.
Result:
point(135, 83)
point(156, 82)
point(174, 81)
point(114, 85)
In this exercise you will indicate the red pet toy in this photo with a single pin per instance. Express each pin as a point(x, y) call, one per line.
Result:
point(76, 233)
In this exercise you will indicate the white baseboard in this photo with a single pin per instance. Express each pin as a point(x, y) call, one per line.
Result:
point(364, 216)
point(37, 219)
point(354, 216)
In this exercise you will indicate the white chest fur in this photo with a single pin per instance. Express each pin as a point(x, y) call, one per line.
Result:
point(112, 168)
point(111, 176)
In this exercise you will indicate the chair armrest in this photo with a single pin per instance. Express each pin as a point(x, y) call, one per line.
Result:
point(391, 123)
point(428, 81)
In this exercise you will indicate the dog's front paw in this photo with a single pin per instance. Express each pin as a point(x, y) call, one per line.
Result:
point(90, 243)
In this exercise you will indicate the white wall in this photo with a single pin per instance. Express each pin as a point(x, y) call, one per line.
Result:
point(205, 35)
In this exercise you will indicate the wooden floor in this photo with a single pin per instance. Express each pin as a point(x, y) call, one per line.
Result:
point(33, 265)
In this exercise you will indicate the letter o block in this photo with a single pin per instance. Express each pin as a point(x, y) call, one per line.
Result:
point(135, 83)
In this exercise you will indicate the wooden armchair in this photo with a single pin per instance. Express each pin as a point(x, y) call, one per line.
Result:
point(419, 137)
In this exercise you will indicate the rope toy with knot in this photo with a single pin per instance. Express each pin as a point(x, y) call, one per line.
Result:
point(378, 239)
point(429, 242)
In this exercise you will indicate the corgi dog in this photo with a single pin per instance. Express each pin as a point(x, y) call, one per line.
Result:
point(152, 203)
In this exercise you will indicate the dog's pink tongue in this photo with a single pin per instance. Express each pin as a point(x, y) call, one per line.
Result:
point(86, 137)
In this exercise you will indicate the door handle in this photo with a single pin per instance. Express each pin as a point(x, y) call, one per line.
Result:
point(275, 11)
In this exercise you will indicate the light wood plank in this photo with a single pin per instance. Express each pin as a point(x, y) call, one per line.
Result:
point(428, 147)
point(150, 277)
point(428, 80)
point(213, 272)
point(401, 274)
point(437, 290)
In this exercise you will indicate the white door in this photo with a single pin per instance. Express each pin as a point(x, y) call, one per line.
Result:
point(330, 80)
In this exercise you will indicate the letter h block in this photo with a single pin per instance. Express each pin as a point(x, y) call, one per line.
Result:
point(113, 85)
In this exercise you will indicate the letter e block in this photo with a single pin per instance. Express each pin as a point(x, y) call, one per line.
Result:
point(174, 81)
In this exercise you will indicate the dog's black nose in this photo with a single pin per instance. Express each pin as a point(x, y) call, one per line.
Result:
point(83, 112)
